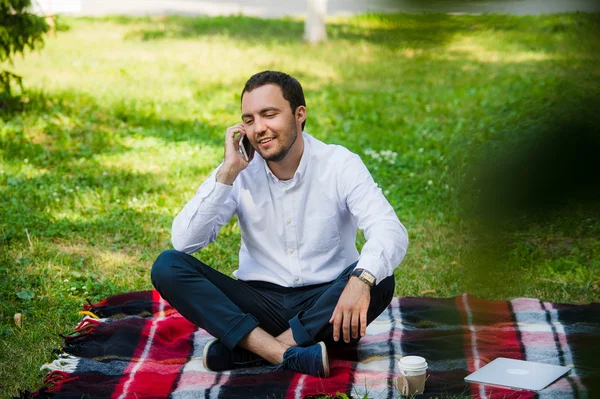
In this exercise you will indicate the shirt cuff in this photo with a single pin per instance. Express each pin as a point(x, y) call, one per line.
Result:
point(374, 265)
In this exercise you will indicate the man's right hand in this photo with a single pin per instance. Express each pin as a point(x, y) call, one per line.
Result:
point(233, 162)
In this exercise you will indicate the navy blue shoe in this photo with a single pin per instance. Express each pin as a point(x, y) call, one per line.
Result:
point(311, 360)
point(217, 357)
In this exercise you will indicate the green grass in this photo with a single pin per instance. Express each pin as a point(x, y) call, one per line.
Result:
point(123, 118)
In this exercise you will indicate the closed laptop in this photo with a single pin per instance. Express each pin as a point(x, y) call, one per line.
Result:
point(517, 374)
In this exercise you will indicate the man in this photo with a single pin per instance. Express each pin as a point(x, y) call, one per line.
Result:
point(300, 282)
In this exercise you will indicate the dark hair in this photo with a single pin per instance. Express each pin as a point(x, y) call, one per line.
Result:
point(290, 87)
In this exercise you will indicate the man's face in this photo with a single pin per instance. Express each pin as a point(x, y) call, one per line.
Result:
point(270, 125)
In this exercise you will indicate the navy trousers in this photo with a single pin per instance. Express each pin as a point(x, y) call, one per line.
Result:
point(230, 309)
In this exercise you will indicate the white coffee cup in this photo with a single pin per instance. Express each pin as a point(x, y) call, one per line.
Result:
point(412, 375)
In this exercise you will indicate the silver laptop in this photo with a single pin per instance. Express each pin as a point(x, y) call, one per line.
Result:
point(517, 374)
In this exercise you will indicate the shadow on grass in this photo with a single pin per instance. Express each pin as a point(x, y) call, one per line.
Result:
point(61, 170)
point(389, 31)
point(76, 129)
point(420, 31)
point(68, 220)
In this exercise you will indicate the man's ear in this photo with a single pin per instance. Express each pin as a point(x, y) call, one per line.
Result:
point(300, 114)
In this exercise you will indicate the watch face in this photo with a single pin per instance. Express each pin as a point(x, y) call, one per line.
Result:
point(365, 275)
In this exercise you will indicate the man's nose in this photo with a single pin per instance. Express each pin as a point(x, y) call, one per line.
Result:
point(259, 125)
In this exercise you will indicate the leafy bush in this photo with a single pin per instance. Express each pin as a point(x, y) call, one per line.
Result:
point(19, 29)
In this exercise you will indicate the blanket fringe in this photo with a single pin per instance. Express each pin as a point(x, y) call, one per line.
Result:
point(90, 306)
point(56, 379)
point(83, 332)
point(24, 395)
point(87, 323)
point(64, 362)
point(87, 313)
point(52, 383)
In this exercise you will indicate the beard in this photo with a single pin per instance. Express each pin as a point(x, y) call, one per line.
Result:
point(286, 141)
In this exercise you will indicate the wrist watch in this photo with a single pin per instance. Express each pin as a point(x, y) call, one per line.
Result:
point(365, 276)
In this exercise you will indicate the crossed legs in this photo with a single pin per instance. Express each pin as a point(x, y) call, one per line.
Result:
point(261, 317)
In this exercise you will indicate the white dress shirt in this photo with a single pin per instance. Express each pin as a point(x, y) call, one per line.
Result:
point(301, 231)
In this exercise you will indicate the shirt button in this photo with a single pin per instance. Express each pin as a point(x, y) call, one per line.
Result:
point(297, 278)
point(292, 251)
point(289, 221)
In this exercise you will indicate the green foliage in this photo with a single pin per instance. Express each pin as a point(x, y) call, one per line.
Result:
point(6, 78)
point(124, 118)
point(19, 30)
point(25, 294)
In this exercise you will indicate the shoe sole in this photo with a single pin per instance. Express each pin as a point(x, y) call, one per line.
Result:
point(325, 359)
point(205, 352)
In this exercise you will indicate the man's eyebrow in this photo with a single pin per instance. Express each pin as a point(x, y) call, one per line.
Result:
point(262, 111)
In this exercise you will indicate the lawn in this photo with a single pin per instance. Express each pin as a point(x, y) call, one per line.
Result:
point(123, 118)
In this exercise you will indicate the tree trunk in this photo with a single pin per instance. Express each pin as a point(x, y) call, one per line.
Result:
point(314, 26)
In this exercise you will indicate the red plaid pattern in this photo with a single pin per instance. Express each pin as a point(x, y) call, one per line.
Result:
point(143, 348)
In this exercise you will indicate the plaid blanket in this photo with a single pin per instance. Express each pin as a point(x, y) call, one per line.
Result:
point(140, 347)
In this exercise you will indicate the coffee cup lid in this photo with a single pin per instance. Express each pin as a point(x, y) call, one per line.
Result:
point(412, 363)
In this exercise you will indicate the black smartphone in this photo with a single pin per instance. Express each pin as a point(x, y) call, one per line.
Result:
point(245, 148)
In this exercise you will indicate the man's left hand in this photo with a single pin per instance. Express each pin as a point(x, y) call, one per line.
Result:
point(351, 310)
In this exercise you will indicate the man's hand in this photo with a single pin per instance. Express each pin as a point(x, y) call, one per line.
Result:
point(351, 310)
point(233, 162)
